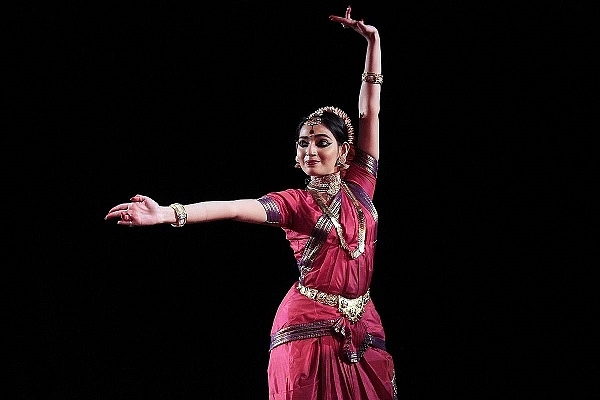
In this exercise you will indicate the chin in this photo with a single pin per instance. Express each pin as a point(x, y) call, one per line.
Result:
point(317, 170)
point(313, 172)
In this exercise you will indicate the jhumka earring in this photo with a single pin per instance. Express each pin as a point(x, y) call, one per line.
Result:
point(341, 162)
point(297, 163)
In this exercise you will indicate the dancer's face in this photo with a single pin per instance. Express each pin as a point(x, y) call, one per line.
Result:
point(317, 150)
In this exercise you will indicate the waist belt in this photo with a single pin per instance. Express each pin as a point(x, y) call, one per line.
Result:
point(352, 309)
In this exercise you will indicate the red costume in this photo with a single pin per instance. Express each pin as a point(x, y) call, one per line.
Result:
point(327, 340)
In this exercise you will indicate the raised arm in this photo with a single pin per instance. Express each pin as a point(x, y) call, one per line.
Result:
point(369, 102)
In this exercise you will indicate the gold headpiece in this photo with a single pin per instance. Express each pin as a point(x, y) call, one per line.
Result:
point(315, 119)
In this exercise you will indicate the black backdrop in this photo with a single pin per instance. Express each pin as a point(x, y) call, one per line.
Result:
point(484, 277)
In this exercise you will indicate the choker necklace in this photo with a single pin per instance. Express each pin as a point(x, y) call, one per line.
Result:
point(362, 229)
point(325, 186)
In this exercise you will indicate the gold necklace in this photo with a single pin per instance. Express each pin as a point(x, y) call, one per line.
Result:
point(326, 186)
point(360, 248)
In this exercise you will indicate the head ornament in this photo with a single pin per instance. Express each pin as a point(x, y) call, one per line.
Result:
point(315, 119)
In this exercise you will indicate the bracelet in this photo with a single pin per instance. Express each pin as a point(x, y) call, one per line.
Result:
point(180, 214)
point(372, 77)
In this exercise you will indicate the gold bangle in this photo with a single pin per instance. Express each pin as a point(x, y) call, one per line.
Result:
point(180, 214)
point(372, 77)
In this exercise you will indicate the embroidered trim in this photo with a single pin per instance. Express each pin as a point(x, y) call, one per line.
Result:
point(301, 331)
point(270, 206)
point(366, 161)
point(313, 245)
point(324, 328)
point(364, 199)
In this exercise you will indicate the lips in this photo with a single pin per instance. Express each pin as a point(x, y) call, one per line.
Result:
point(311, 163)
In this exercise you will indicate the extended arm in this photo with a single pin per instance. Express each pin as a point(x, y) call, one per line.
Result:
point(143, 210)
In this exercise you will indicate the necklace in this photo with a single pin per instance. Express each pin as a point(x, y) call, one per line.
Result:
point(360, 248)
point(326, 186)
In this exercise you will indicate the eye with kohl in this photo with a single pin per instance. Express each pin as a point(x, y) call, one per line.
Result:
point(319, 142)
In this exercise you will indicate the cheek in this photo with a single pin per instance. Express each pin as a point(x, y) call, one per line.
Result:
point(328, 156)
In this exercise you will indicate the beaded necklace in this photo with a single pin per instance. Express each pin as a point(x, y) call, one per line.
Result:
point(330, 185)
point(325, 186)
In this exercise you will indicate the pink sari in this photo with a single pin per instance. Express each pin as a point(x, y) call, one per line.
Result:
point(317, 352)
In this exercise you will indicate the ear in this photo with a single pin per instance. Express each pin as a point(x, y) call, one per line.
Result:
point(345, 148)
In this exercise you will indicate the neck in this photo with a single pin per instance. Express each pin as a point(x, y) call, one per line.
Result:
point(326, 185)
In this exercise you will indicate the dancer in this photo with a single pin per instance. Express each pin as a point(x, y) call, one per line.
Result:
point(327, 338)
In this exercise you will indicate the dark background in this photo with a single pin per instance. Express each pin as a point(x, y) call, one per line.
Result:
point(485, 278)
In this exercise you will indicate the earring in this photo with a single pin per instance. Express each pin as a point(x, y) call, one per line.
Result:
point(297, 163)
point(341, 162)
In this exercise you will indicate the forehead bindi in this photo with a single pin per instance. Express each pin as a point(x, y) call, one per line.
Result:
point(315, 131)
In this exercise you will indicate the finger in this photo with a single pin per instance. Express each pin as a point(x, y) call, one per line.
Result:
point(348, 11)
point(122, 206)
point(337, 18)
point(344, 21)
point(112, 215)
point(138, 198)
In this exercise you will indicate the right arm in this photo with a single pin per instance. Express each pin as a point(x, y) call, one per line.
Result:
point(143, 211)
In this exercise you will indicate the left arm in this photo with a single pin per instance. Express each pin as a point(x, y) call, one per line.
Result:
point(369, 97)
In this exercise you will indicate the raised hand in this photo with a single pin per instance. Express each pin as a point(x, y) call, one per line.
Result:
point(358, 25)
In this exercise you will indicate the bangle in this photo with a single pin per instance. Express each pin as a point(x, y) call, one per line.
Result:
point(180, 214)
point(372, 77)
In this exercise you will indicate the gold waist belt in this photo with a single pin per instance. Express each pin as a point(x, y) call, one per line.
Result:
point(352, 309)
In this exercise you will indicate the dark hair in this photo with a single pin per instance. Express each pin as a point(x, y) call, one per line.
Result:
point(333, 122)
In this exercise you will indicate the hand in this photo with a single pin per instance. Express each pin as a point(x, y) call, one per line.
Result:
point(359, 26)
point(142, 210)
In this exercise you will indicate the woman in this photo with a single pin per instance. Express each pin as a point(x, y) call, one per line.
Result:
point(327, 339)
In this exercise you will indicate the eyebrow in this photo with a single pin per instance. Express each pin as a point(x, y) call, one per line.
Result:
point(315, 135)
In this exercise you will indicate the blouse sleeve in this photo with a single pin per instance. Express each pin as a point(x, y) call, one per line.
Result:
point(291, 209)
point(363, 171)
point(280, 206)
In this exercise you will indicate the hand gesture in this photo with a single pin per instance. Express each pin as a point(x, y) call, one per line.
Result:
point(359, 26)
point(141, 210)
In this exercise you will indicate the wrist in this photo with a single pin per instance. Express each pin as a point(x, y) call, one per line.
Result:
point(373, 37)
point(180, 215)
point(167, 215)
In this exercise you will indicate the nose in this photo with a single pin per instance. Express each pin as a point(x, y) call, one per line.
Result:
point(311, 150)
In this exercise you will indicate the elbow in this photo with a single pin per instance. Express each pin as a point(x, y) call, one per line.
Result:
point(372, 111)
